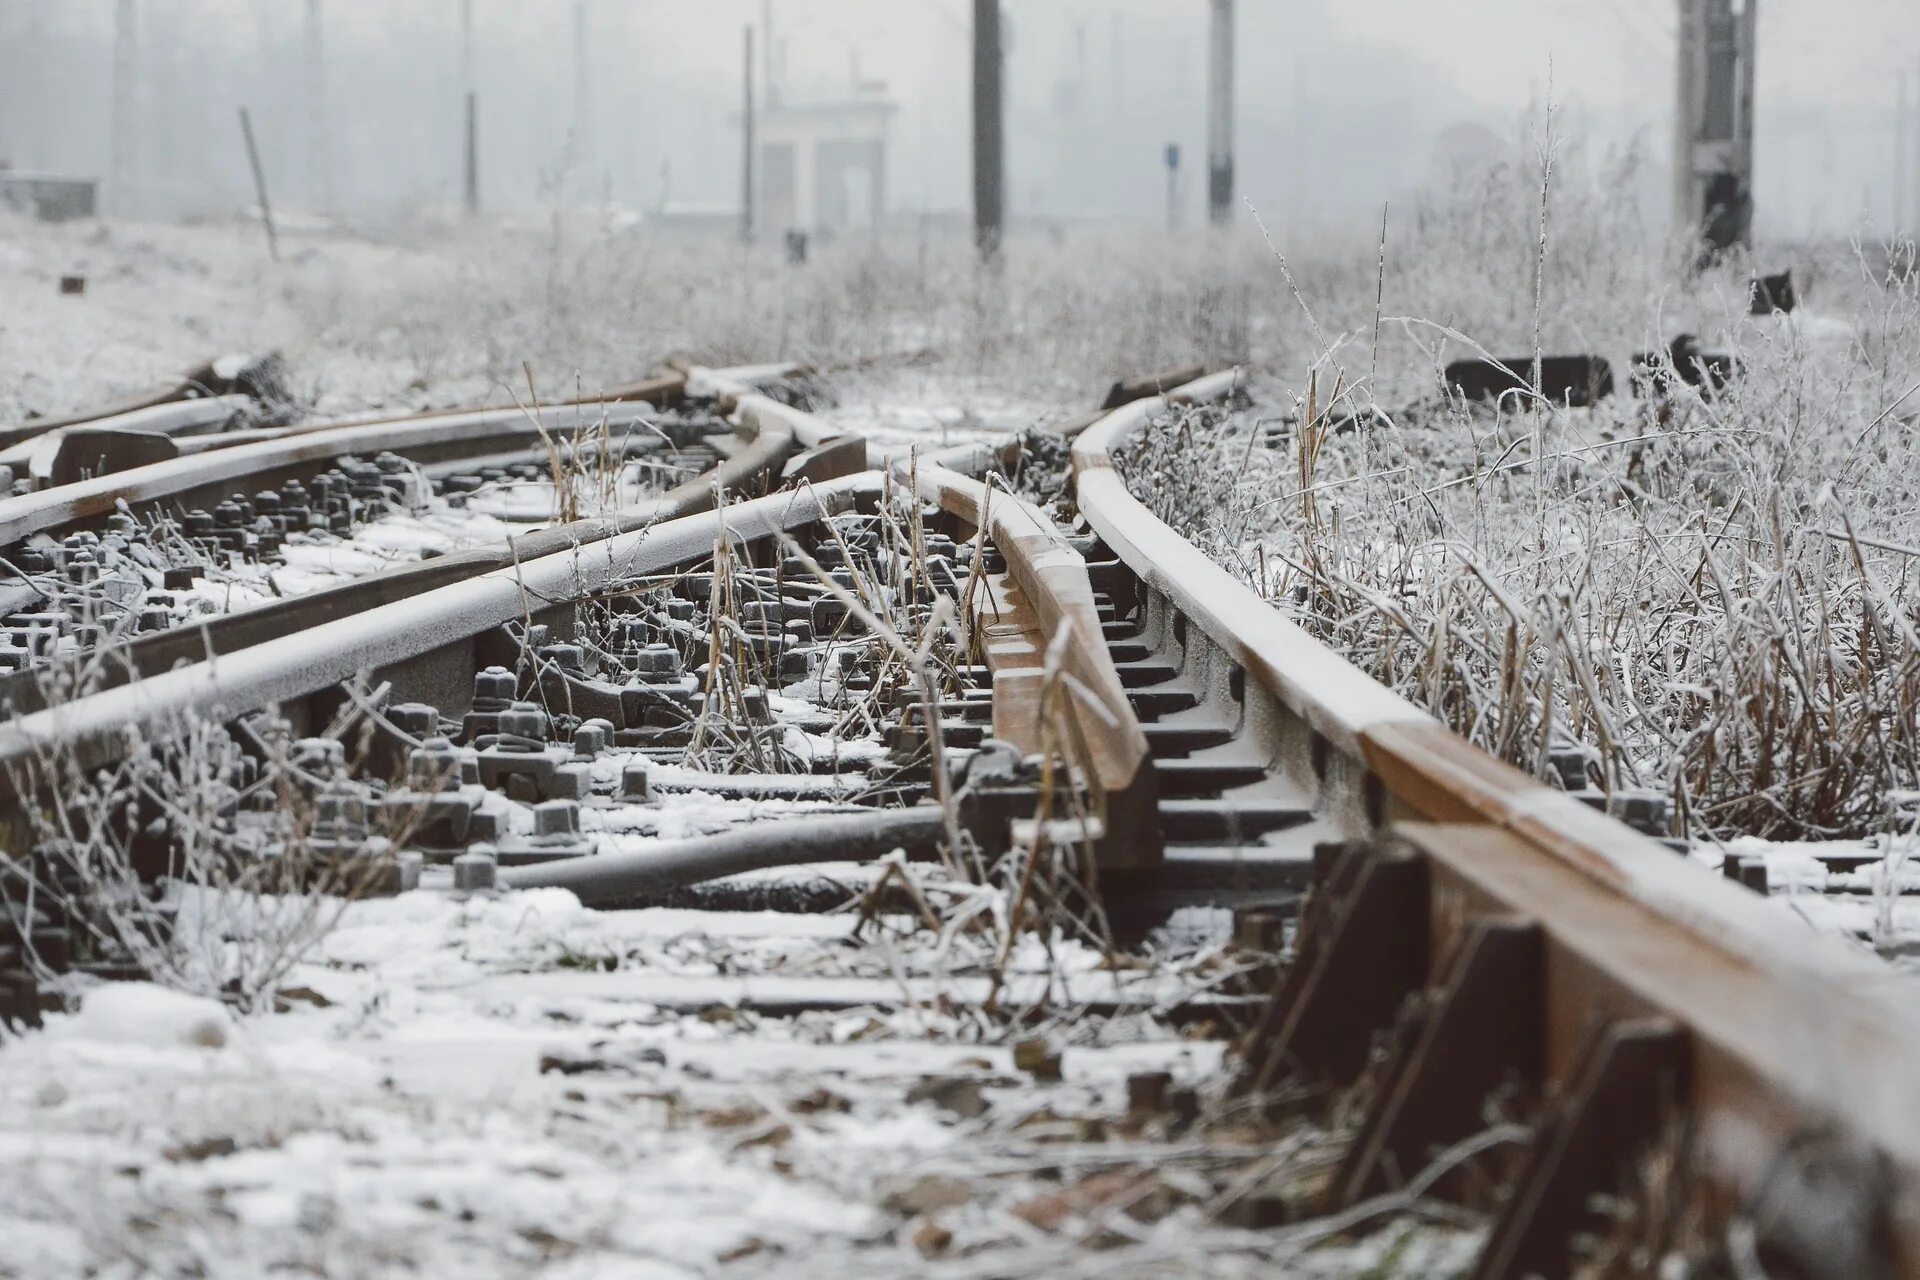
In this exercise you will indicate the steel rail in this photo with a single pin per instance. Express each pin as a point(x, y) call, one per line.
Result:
point(1635, 965)
point(668, 865)
point(37, 458)
point(413, 643)
point(437, 437)
point(768, 443)
point(821, 438)
point(1042, 632)
point(224, 375)
point(116, 443)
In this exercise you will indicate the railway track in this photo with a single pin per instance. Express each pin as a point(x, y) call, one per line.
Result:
point(1479, 986)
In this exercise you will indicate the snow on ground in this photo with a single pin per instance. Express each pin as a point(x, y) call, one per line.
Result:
point(934, 409)
point(408, 1113)
point(317, 560)
point(1867, 890)
point(161, 299)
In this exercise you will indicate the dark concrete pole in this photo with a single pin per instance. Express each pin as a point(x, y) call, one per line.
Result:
point(1220, 116)
point(473, 155)
point(989, 131)
point(259, 184)
point(1713, 153)
point(746, 150)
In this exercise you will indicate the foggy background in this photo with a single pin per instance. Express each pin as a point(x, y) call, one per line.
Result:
point(635, 103)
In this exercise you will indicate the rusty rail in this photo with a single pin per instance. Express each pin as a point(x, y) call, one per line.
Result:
point(1653, 1010)
point(1044, 643)
point(423, 646)
point(1471, 932)
point(434, 437)
point(755, 467)
point(225, 375)
point(139, 436)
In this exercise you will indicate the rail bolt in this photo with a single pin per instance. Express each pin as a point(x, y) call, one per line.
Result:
point(524, 720)
point(408, 866)
point(592, 738)
point(476, 872)
point(556, 819)
point(495, 685)
point(567, 657)
point(1259, 929)
point(340, 812)
point(658, 663)
point(324, 756)
point(434, 765)
point(415, 719)
point(634, 785)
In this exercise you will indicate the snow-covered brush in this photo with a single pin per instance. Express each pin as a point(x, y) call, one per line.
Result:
point(731, 732)
point(1707, 593)
point(197, 860)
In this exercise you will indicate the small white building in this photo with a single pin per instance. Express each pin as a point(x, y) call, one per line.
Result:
point(823, 166)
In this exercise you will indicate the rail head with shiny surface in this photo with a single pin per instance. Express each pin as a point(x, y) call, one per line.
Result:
point(751, 469)
point(224, 375)
point(99, 727)
point(1103, 734)
point(1795, 1030)
point(450, 435)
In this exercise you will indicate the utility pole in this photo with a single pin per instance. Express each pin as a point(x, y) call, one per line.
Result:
point(746, 149)
point(471, 192)
point(1173, 186)
point(319, 166)
point(259, 184)
point(1912, 150)
point(125, 117)
point(1220, 117)
point(989, 132)
point(470, 156)
point(1713, 152)
point(18, 51)
point(582, 147)
point(466, 46)
point(769, 85)
point(1900, 144)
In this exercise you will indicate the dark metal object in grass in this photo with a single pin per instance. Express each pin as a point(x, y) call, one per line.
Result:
point(1774, 293)
point(1656, 374)
point(1578, 381)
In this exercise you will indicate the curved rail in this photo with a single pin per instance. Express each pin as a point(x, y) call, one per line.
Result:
point(433, 438)
point(253, 376)
point(1547, 938)
point(423, 644)
point(751, 468)
point(1646, 1009)
point(1044, 642)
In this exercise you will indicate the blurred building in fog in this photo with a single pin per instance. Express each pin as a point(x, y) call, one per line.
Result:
point(823, 166)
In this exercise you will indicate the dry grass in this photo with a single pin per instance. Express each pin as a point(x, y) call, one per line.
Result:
point(1712, 598)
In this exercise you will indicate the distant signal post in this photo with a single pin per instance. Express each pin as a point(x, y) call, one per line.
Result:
point(1713, 156)
point(989, 131)
point(1220, 116)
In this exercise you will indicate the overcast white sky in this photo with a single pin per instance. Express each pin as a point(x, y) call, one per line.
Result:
point(1341, 101)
